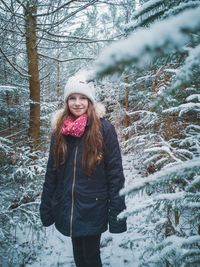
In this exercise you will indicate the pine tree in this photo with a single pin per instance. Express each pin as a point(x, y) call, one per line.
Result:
point(161, 52)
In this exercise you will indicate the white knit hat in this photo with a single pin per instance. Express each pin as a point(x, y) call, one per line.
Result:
point(78, 84)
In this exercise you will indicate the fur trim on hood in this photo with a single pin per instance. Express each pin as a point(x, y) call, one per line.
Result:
point(99, 109)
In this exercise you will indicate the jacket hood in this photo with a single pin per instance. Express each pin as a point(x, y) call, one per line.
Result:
point(99, 109)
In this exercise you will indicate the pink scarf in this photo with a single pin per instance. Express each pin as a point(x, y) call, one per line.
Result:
point(74, 127)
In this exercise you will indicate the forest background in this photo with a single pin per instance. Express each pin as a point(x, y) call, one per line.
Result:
point(145, 62)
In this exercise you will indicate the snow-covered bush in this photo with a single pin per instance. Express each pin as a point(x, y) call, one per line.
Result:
point(20, 187)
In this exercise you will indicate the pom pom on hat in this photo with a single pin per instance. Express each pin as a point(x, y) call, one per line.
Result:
point(78, 84)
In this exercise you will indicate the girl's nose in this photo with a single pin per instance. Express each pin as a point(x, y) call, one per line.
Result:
point(77, 102)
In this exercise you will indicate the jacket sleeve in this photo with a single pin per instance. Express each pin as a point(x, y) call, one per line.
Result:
point(49, 186)
point(115, 177)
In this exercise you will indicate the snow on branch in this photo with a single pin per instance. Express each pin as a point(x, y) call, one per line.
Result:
point(179, 251)
point(147, 7)
point(186, 73)
point(194, 186)
point(186, 107)
point(193, 97)
point(4, 144)
point(168, 35)
point(183, 109)
point(144, 14)
point(141, 204)
point(166, 174)
point(141, 113)
point(181, 7)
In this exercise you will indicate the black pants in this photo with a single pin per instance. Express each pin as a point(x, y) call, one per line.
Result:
point(86, 251)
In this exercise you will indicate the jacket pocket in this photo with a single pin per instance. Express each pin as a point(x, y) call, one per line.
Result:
point(92, 209)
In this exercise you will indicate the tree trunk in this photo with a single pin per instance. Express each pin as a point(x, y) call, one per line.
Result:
point(176, 216)
point(127, 117)
point(58, 88)
point(8, 118)
point(33, 71)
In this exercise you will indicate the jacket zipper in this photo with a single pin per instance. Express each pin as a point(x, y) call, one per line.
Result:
point(73, 184)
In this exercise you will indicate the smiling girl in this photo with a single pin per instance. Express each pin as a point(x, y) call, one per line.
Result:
point(84, 174)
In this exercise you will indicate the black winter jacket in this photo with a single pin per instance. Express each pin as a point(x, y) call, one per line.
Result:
point(82, 205)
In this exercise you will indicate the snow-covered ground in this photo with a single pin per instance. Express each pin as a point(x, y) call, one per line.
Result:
point(57, 251)
point(115, 248)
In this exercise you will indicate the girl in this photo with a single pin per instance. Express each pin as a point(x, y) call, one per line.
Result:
point(84, 174)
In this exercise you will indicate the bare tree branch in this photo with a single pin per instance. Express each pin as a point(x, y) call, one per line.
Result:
point(72, 14)
point(121, 3)
point(79, 41)
point(10, 10)
point(19, 2)
point(13, 66)
point(66, 60)
point(54, 11)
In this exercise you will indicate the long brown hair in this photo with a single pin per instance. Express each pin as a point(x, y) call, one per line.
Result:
point(92, 151)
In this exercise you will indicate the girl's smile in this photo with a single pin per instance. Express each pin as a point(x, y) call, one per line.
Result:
point(78, 104)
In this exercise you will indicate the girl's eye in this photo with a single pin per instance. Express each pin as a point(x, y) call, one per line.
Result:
point(74, 98)
point(71, 98)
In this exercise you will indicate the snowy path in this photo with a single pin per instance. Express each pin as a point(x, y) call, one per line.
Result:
point(57, 251)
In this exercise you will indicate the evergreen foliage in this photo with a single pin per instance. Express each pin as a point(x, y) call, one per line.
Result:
point(160, 55)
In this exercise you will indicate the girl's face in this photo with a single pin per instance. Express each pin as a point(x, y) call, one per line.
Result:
point(78, 104)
